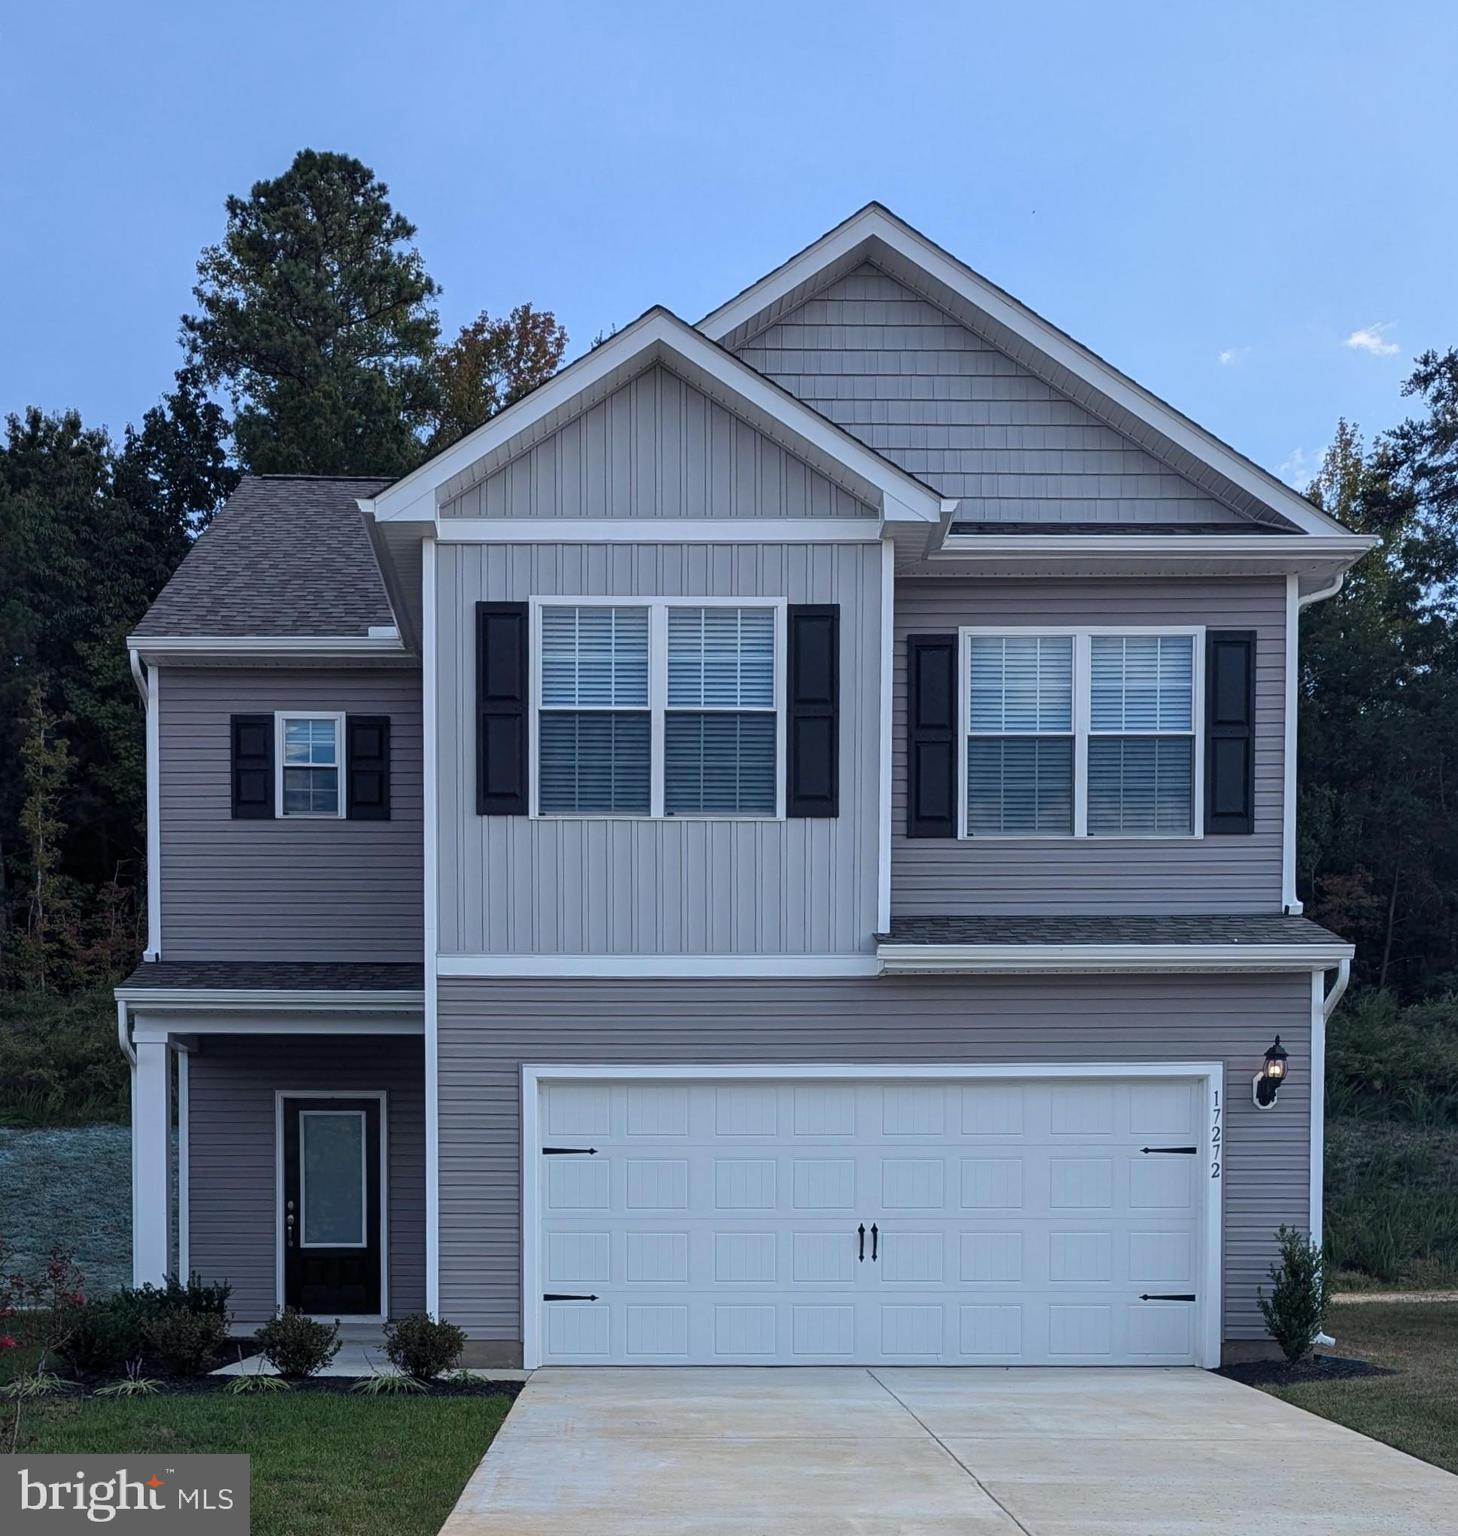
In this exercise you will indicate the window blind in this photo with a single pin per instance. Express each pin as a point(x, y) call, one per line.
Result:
point(1140, 782)
point(1020, 747)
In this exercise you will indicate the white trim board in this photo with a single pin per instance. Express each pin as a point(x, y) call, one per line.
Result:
point(306, 647)
point(561, 967)
point(279, 1095)
point(659, 336)
point(271, 997)
point(168, 1026)
point(875, 232)
point(1211, 1074)
point(656, 530)
point(430, 818)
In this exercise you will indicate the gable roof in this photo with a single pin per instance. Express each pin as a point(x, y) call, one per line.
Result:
point(660, 337)
point(289, 558)
point(877, 236)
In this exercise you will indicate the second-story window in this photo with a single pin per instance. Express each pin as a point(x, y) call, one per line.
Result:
point(661, 708)
point(1087, 734)
point(595, 727)
point(719, 729)
point(309, 777)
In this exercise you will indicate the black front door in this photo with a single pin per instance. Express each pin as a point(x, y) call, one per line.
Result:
point(331, 1214)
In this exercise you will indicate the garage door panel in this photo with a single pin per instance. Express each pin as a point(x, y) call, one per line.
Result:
point(1006, 1222)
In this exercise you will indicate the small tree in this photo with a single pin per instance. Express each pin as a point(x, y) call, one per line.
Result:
point(1295, 1311)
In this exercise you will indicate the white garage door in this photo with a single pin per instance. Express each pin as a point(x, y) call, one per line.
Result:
point(996, 1221)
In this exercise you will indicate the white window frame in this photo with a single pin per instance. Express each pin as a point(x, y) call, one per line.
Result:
point(281, 718)
point(657, 608)
point(1082, 636)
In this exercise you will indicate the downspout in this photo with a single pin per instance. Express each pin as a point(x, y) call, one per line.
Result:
point(139, 674)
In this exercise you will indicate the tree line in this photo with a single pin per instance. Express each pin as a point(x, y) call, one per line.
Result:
point(315, 347)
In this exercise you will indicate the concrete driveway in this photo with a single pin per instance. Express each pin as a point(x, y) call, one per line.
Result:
point(931, 1452)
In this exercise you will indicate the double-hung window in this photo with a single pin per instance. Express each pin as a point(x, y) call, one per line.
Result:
point(594, 727)
point(310, 778)
point(663, 708)
point(1081, 733)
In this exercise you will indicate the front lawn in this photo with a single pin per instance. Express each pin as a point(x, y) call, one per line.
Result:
point(323, 1464)
point(1416, 1410)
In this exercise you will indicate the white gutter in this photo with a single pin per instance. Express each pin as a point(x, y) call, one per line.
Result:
point(192, 999)
point(1302, 546)
point(1011, 959)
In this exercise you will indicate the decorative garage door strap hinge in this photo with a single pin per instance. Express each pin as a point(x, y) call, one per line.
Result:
point(1182, 1296)
point(1183, 1151)
point(581, 1151)
point(560, 1296)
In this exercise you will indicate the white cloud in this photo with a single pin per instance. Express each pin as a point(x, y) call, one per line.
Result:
point(1373, 340)
point(1231, 356)
point(1300, 468)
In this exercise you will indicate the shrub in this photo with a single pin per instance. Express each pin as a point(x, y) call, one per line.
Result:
point(187, 1343)
point(296, 1345)
point(1295, 1311)
point(423, 1346)
point(99, 1339)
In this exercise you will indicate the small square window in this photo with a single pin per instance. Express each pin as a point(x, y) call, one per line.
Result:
point(309, 778)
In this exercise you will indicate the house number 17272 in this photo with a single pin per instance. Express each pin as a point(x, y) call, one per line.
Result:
point(1215, 1136)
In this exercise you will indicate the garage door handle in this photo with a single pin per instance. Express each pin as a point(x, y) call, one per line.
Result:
point(1183, 1151)
point(873, 1242)
point(1180, 1297)
point(861, 1233)
point(565, 1296)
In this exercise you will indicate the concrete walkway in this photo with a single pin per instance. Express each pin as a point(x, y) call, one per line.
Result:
point(928, 1452)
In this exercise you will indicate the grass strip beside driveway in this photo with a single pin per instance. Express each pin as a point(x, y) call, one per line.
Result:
point(1416, 1410)
point(323, 1464)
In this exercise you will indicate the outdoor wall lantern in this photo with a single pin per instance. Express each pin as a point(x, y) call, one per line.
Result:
point(1267, 1082)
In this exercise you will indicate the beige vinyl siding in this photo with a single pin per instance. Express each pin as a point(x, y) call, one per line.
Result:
point(232, 1080)
point(488, 1029)
point(656, 447)
point(933, 877)
point(950, 408)
point(292, 888)
point(683, 885)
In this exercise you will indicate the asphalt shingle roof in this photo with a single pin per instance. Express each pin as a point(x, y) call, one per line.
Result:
point(277, 975)
point(288, 555)
point(1254, 930)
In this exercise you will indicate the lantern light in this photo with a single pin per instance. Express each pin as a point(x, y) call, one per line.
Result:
point(1267, 1082)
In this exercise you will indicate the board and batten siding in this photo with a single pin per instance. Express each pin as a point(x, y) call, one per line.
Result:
point(292, 888)
point(488, 1029)
point(656, 447)
point(232, 1153)
point(681, 885)
point(934, 877)
point(947, 406)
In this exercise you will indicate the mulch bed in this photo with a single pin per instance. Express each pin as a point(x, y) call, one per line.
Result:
point(212, 1385)
point(1277, 1373)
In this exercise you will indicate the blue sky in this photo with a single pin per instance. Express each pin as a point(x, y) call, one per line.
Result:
point(1249, 207)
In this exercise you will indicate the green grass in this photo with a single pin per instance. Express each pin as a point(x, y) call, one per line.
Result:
point(1416, 1410)
point(322, 1465)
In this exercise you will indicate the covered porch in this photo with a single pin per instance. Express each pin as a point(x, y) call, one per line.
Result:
point(279, 1112)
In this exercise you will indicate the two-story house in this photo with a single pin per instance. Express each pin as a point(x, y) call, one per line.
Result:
point(779, 847)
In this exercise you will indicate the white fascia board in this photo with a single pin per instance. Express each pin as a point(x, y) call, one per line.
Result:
point(1008, 959)
point(264, 647)
point(655, 530)
point(647, 967)
point(877, 224)
point(162, 1026)
point(657, 336)
point(254, 998)
point(1208, 546)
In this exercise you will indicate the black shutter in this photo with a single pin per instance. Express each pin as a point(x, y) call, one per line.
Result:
point(812, 698)
point(367, 763)
point(931, 735)
point(252, 752)
point(1229, 732)
point(501, 709)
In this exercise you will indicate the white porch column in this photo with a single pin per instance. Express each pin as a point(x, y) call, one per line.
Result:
point(151, 1164)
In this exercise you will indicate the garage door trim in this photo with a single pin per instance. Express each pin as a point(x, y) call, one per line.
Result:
point(1210, 1074)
